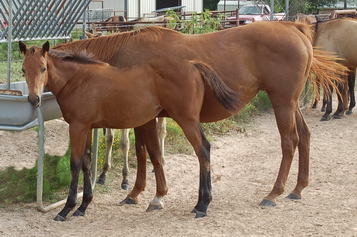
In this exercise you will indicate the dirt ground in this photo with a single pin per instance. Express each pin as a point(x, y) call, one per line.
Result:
point(244, 168)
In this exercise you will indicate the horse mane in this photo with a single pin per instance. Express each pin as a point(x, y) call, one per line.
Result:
point(99, 46)
point(82, 57)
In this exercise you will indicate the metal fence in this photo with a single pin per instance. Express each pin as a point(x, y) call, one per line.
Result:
point(38, 20)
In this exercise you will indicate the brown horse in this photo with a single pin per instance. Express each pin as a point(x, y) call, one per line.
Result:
point(276, 57)
point(92, 94)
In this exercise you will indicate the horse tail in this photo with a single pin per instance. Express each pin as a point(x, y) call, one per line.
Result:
point(225, 96)
point(325, 71)
point(325, 67)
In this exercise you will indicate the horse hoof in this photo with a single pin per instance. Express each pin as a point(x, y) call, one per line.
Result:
point(349, 112)
point(128, 200)
point(337, 116)
point(323, 110)
point(125, 186)
point(199, 214)
point(154, 207)
point(293, 196)
point(101, 181)
point(267, 203)
point(59, 218)
point(325, 119)
point(78, 213)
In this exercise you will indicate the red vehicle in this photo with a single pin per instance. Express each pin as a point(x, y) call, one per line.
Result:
point(252, 13)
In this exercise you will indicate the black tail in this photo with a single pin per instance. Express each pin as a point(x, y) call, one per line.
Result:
point(225, 96)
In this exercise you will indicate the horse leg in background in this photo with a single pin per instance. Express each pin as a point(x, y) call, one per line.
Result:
point(285, 114)
point(146, 139)
point(109, 138)
point(161, 130)
point(124, 146)
point(317, 98)
point(304, 156)
point(342, 97)
point(328, 101)
point(80, 159)
point(351, 89)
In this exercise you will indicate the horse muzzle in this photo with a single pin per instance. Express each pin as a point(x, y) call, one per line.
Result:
point(35, 101)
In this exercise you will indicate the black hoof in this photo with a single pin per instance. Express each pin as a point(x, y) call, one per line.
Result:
point(59, 218)
point(349, 112)
point(199, 214)
point(267, 203)
point(323, 110)
point(78, 213)
point(101, 181)
point(325, 119)
point(293, 196)
point(128, 200)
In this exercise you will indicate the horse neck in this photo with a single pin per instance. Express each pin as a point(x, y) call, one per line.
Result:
point(59, 73)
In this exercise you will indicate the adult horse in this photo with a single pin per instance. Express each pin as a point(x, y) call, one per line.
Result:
point(331, 36)
point(93, 94)
point(276, 57)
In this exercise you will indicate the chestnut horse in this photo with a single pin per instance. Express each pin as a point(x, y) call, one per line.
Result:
point(331, 36)
point(277, 57)
point(92, 94)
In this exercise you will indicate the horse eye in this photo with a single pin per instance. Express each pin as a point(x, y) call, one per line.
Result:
point(43, 69)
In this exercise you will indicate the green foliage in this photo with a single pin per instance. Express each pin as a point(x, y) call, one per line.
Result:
point(21, 185)
point(197, 24)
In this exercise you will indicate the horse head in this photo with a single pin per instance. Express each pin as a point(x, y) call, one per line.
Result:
point(34, 68)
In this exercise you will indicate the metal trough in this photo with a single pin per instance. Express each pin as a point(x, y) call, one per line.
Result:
point(16, 114)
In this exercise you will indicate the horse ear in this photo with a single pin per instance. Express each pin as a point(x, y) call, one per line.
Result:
point(46, 47)
point(22, 47)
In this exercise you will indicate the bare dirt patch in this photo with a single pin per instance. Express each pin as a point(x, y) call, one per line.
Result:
point(244, 168)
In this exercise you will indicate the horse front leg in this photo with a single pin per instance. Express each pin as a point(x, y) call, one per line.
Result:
point(286, 121)
point(304, 156)
point(78, 145)
point(124, 146)
point(109, 138)
point(87, 190)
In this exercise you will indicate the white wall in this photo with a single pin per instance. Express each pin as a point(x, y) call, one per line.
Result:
point(146, 6)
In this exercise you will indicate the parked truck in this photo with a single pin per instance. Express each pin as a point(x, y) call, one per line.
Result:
point(252, 13)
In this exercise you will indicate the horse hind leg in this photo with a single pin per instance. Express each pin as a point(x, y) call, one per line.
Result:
point(109, 138)
point(327, 102)
point(304, 156)
point(196, 137)
point(124, 146)
point(286, 121)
